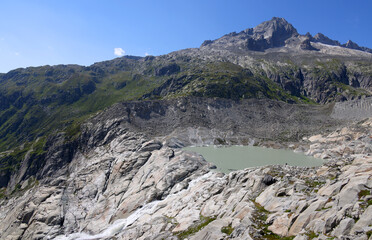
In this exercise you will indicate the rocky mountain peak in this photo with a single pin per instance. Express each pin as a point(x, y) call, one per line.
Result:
point(269, 34)
point(276, 27)
point(352, 45)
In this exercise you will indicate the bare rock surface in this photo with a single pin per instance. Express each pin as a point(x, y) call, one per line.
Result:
point(135, 188)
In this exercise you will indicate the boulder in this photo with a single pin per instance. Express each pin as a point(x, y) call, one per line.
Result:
point(344, 227)
point(364, 223)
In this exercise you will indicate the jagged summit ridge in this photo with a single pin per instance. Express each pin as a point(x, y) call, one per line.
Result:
point(270, 34)
point(320, 37)
point(275, 27)
point(274, 33)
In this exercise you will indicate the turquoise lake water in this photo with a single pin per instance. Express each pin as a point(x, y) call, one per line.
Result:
point(232, 158)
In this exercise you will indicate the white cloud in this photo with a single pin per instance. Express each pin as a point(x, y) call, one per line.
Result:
point(119, 52)
point(146, 54)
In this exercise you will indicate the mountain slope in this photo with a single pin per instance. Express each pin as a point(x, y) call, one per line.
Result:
point(270, 61)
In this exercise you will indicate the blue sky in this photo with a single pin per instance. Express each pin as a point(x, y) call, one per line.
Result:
point(41, 32)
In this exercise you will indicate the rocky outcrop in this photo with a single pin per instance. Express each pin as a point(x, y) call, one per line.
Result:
point(168, 70)
point(306, 45)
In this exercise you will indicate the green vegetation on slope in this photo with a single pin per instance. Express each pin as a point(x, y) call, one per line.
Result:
point(223, 80)
point(204, 221)
point(35, 103)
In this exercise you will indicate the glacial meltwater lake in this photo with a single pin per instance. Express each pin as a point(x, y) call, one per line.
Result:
point(233, 158)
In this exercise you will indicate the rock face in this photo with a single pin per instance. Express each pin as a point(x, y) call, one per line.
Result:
point(306, 45)
point(270, 34)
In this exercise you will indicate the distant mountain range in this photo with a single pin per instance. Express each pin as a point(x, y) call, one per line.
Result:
point(273, 34)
